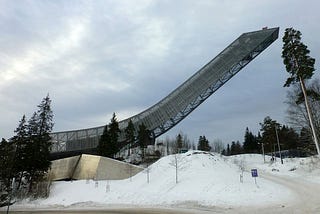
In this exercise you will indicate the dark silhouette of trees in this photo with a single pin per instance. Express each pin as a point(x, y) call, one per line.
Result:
point(203, 144)
point(27, 154)
point(143, 138)
point(130, 136)
point(250, 144)
point(108, 144)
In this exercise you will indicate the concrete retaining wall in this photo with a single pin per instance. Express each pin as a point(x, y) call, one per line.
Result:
point(91, 167)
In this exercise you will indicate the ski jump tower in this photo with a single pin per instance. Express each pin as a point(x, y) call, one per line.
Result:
point(169, 111)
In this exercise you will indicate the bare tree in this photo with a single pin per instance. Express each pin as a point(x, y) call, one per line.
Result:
point(178, 163)
point(296, 112)
point(186, 142)
point(217, 146)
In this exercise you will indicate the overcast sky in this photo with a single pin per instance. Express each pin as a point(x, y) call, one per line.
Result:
point(99, 57)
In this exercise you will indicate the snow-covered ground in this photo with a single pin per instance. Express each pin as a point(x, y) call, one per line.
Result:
point(307, 169)
point(204, 179)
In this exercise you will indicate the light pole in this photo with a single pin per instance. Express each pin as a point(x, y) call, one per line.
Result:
point(264, 157)
point(278, 144)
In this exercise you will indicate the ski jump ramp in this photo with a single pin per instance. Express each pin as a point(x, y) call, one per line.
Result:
point(172, 109)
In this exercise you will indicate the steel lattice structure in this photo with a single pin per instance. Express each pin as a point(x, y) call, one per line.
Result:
point(183, 100)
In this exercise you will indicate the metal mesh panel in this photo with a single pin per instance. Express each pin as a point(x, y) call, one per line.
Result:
point(179, 103)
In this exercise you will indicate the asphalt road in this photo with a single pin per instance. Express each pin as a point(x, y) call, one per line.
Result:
point(115, 211)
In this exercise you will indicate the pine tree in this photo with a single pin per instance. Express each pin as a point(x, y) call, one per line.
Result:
point(288, 138)
point(238, 148)
point(235, 148)
point(130, 137)
point(203, 144)
point(300, 66)
point(268, 133)
point(7, 150)
point(114, 133)
point(143, 138)
point(21, 141)
point(250, 144)
point(108, 143)
point(179, 142)
point(104, 147)
point(306, 143)
point(45, 125)
point(39, 142)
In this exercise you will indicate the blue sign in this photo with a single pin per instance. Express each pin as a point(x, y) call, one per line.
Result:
point(254, 173)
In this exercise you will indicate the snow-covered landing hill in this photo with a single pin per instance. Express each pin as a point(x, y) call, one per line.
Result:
point(203, 179)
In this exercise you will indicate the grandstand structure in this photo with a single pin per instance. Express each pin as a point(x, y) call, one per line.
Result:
point(172, 109)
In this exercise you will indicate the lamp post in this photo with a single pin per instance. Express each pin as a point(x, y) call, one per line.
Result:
point(278, 144)
point(264, 157)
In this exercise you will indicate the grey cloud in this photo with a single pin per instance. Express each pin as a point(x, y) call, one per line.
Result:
point(100, 57)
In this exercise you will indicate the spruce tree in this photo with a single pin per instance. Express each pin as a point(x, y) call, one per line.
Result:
point(179, 143)
point(20, 140)
point(238, 148)
point(250, 144)
point(300, 66)
point(45, 125)
point(108, 143)
point(233, 148)
point(129, 133)
point(269, 138)
point(143, 138)
point(289, 138)
point(114, 133)
point(39, 142)
point(7, 150)
point(203, 144)
point(104, 147)
point(306, 143)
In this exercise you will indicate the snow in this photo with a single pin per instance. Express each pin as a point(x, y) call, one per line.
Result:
point(307, 169)
point(204, 179)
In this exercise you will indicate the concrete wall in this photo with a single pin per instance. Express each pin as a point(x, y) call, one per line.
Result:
point(63, 168)
point(92, 167)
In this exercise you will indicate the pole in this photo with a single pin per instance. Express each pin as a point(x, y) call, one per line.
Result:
point(278, 144)
point(176, 163)
point(264, 157)
point(274, 153)
point(148, 175)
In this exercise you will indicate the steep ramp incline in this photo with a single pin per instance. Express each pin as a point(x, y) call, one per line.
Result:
point(182, 101)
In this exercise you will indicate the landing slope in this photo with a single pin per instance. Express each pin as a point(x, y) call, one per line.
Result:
point(204, 179)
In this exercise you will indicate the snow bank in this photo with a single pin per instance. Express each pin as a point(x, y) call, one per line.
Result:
point(203, 179)
point(307, 169)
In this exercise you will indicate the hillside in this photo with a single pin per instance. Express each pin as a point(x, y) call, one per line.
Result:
point(204, 179)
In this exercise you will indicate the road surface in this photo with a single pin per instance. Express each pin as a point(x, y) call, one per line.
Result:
point(306, 198)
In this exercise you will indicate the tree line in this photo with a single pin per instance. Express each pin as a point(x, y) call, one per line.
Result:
point(25, 158)
point(109, 145)
point(270, 135)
